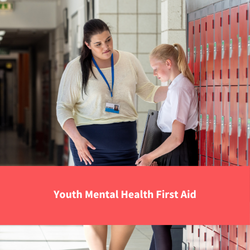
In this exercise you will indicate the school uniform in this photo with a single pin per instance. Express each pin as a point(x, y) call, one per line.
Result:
point(181, 104)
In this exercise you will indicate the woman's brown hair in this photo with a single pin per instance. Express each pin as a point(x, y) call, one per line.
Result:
point(175, 53)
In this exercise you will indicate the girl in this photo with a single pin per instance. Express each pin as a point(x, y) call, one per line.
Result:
point(177, 119)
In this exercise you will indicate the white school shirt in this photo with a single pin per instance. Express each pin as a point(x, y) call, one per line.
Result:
point(181, 104)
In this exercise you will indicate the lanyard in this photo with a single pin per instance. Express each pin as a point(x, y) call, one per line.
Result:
point(103, 76)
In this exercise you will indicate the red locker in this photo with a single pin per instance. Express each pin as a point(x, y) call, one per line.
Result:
point(209, 122)
point(225, 47)
point(203, 160)
point(224, 243)
point(217, 228)
point(210, 161)
point(242, 126)
point(233, 48)
point(216, 162)
point(203, 51)
point(225, 124)
point(242, 43)
point(225, 163)
point(232, 246)
point(210, 239)
point(233, 125)
point(196, 237)
point(202, 118)
point(217, 49)
point(210, 49)
point(224, 230)
point(217, 122)
point(216, 241)
point(203, 237)
point(242, 229)
point(197, 52)
point(190, 54)
point(233, 233)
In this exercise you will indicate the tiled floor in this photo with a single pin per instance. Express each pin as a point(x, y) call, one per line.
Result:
point(61, 238)
point(13, 151)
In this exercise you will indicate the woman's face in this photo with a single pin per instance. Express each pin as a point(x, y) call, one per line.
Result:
point(101, 45)
point(161, 69)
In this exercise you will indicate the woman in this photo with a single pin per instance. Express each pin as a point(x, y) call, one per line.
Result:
point(95, 107)
point(177, 119)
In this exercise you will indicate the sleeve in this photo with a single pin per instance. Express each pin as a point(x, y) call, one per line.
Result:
point(180, 104)
point(144, 88)
point(68, 93)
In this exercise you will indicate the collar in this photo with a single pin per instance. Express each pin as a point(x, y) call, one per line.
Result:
point(176, 79)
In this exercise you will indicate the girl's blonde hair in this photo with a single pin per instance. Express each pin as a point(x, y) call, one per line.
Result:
point(175, 53)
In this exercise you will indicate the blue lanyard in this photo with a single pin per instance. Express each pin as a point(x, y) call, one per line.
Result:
point(103, 76)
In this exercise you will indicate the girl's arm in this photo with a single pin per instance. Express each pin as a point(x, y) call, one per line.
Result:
point(172, 142)
point(161, 94)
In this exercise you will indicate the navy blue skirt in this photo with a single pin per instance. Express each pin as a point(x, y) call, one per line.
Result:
point(115, 144)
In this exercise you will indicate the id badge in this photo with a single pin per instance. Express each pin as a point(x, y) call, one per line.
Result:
point(113, 108)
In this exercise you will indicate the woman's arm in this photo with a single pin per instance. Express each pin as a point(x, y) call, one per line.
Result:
point(172, 142)
point(161, 94)
point(80, 142)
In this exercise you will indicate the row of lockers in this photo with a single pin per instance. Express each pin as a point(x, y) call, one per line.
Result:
point(224, 237)
point(218, 56)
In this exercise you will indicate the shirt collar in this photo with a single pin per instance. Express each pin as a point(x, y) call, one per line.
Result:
point(176, 79)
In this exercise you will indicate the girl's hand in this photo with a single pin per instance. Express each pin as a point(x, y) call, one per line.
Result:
point(145, 160)
point(82, 145)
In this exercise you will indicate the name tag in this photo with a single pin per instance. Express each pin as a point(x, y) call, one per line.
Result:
point(113, 108)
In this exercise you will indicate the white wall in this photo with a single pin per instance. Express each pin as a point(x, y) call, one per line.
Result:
point(30, 15)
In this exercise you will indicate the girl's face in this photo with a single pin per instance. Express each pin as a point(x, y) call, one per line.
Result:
point(161, 69)
point(101, 45)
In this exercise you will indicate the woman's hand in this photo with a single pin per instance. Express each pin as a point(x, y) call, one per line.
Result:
point(145, 160)
point(82, 145)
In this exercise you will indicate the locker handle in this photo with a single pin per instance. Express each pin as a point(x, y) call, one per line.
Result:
point(228, 19)
point(237, 17)
point(246, 14)
point(246, 98)
point(220, 21)
point(220, 96)
point(245, 236)
point(198, 232)
point(213, 23)
point(237, 97)
point(246, 73)
point(212, 96)
point(212, 241)
point(236, 232)
point(205, 236)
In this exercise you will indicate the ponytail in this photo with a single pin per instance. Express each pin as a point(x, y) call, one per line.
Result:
point(176, 54)
point(182, 63)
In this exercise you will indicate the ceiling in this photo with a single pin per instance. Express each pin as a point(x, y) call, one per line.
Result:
point(21, 39)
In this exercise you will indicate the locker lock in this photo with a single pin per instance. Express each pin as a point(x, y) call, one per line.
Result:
point(215, 51)
point(248, 129)
point(239, 127)
point(222, 49)
point(207, 51)
point(194, 53)
point(239, 46)
point(207, 122)
point(231, 48)
point(230, 125)
point(222, 124)
point(201, 53)
point(200, 122)
point(248, 46)
point(214, 123)
point(188, 55)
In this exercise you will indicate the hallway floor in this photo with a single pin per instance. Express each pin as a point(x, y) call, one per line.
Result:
point(13, 151)
point(61, 238)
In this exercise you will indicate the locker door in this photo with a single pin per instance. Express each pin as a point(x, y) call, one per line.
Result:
point(217, 48)
point(224, 243)
point(209, 161)
point(210, 239)
point(232, 246)
point(196, 237)
point(225, 123)
point(190, 237)
point(225, 47)
point(233, 48)
point(203, 160)
point(233, 123)
point(217, 123)
point(196, 54)
point(216, 241)
point(248, 237)
point(210, 49)
point(203, 51)
point(203, 237)
point(242, 43)
point(202, 113)
point(242, 126)
point(225, 163)
point(216, 162)
point(224, 230)
point(233, 233)
point(217, 228)
point(209, 122)
point(242, 229)
point(190, 55)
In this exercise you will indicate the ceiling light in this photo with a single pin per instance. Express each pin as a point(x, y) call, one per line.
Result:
point(1, 38)
point(3, 0)
point(2, 32)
